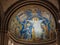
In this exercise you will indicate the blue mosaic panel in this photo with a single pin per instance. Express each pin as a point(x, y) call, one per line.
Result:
point(33, 26)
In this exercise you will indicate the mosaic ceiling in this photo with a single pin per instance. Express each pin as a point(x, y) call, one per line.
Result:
point(32, 23)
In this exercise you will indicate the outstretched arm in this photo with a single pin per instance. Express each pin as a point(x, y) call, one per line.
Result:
point(41, 21)
point(29, 21)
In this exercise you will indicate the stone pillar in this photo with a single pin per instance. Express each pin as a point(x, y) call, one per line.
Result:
point(2, 33)
point(58, 37)
point(5, 39)
point(58, 31)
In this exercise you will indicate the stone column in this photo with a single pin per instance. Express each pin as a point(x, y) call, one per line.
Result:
point(5, 39)
point(2, 33)
point(58, 37)
point(58, 31)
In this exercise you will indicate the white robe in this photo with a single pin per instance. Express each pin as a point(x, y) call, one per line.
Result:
point(37, 27)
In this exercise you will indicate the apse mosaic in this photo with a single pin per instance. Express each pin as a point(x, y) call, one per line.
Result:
point(33, 24)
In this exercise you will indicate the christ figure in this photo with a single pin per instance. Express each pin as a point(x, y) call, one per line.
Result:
point(37, 26)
